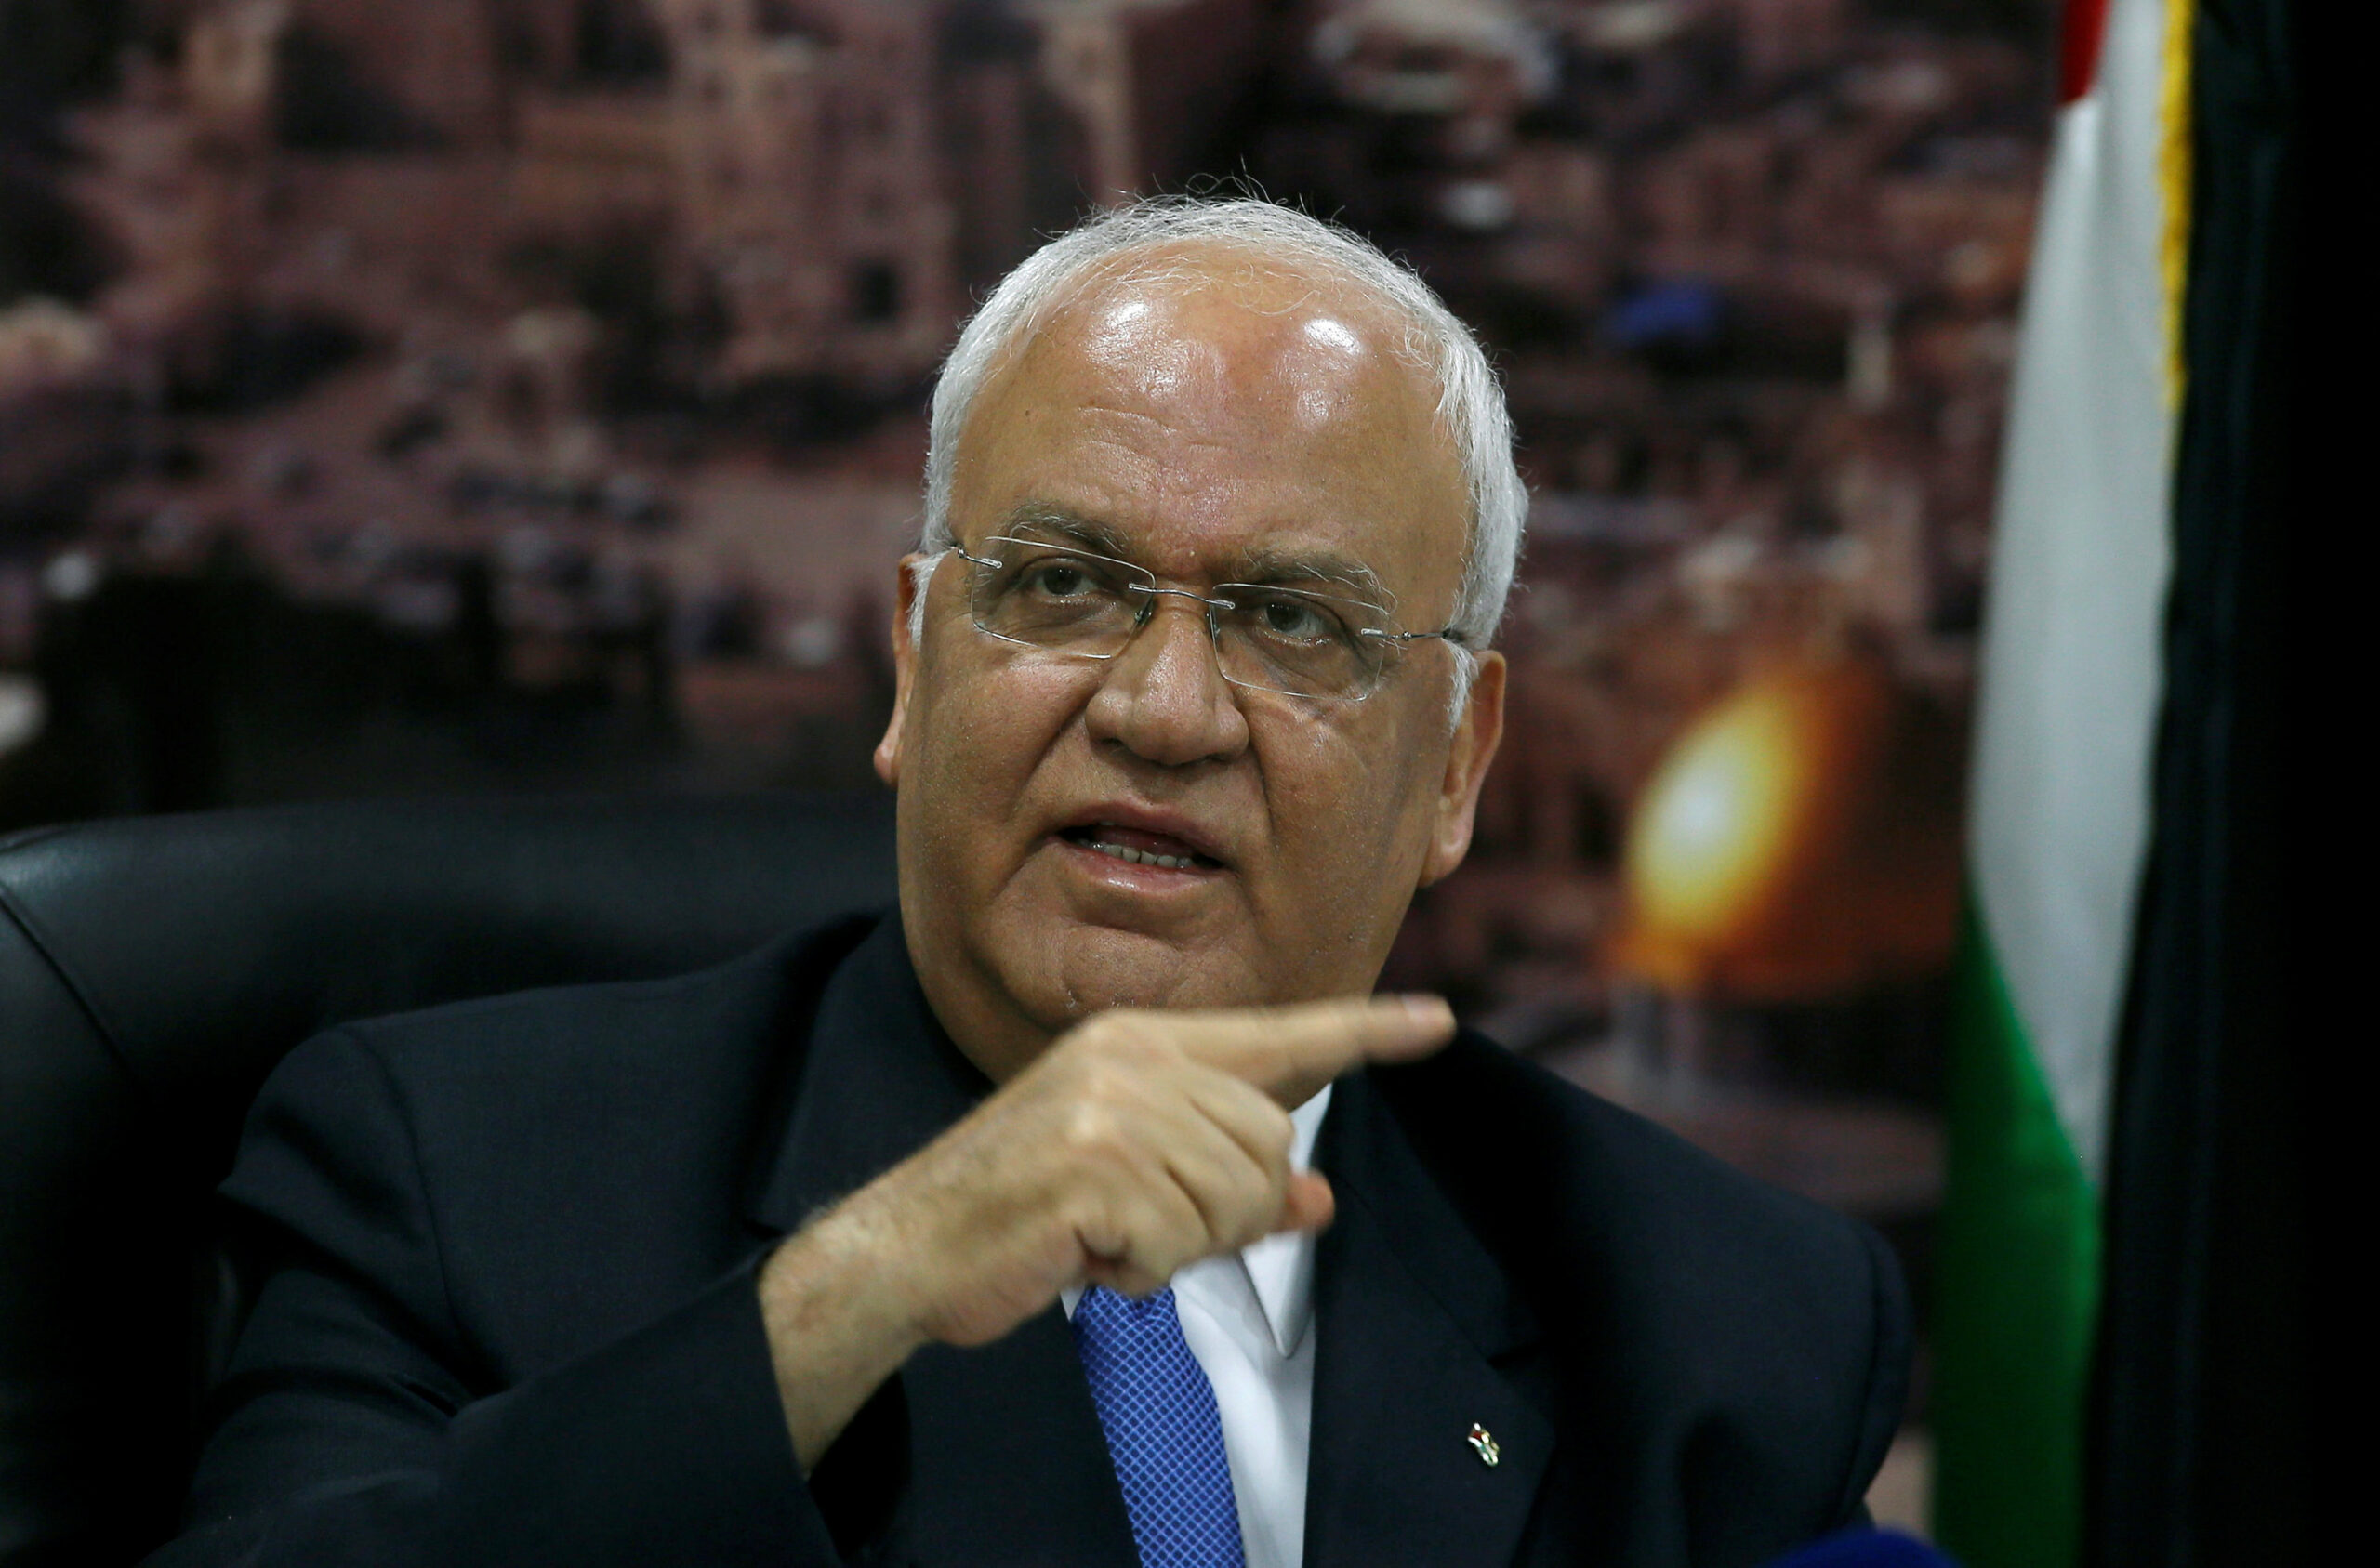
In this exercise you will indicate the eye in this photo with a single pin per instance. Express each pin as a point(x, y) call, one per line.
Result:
point(1059, 579)
point(1296, 620)
point(1291, 619)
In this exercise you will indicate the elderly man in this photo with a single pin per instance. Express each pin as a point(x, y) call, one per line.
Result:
point(1087, 1209)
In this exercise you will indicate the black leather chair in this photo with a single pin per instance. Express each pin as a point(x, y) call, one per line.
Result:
point(153, 970)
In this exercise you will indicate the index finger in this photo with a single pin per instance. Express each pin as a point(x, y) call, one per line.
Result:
point(1289, 1052)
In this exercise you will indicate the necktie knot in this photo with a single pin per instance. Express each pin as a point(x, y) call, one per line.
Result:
point(1164, 1431)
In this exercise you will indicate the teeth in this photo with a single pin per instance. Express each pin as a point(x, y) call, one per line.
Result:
point(1142, 857)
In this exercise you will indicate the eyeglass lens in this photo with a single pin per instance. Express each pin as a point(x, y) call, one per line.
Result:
point(1275, 638)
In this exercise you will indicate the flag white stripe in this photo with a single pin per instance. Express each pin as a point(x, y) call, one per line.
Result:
point(2072, 670)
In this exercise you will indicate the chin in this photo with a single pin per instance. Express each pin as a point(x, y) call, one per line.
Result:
point(1088, 969)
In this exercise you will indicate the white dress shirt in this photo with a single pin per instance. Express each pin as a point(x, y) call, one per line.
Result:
point(1249, 1318)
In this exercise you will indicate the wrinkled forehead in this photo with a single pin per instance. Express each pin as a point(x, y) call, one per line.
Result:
point(1197, 399)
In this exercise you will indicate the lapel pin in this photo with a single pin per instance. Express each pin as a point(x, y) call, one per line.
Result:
point(1484, 1445)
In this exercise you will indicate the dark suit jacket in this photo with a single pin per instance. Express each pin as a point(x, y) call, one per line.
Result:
point(505, 1312)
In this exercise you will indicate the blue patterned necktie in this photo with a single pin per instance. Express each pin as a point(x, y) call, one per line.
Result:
point(1163, 1431)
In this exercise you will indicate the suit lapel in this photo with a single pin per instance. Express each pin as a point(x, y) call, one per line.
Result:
point(1005, 1459)
point(1421, 1340)
point(875, 1080)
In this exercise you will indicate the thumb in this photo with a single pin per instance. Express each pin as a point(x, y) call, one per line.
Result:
point(1309, 1203)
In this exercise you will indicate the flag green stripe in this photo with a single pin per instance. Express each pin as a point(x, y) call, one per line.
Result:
point(2016, 1290)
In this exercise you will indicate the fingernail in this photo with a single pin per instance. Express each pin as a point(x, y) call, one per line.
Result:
point(1430, 1010)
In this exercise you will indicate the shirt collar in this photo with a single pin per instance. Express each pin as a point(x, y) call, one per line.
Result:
point(1280, 1268)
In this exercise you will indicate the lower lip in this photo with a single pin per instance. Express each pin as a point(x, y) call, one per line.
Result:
point(1125, 873)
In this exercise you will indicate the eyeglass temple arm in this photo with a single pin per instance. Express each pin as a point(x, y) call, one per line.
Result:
point(1451, 634)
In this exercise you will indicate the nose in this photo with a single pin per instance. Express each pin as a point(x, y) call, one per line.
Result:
point(1163, 699)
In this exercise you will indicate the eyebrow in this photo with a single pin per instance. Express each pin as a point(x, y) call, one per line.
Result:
point(1265, 564)
point(1043, 516)
point(1258, 563)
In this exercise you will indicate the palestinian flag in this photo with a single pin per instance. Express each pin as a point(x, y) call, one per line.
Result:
point(2060, 813)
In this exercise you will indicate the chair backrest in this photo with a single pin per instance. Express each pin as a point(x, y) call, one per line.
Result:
point(153, 970)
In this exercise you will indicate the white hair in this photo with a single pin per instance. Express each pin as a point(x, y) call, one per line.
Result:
point(1471, 402)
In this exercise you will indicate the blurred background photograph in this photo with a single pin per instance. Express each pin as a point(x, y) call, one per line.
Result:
point(464, 398)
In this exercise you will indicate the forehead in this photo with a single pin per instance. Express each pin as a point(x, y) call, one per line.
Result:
point(1212, 409)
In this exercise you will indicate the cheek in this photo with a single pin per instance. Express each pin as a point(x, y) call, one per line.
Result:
point(1347, 804)
point(979, 734)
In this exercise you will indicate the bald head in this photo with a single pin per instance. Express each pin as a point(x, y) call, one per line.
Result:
point(1192, 395)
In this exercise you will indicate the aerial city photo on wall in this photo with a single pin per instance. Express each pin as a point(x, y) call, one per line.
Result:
point(505, 395)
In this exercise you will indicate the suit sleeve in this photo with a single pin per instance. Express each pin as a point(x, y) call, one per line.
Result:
point(355, 1426)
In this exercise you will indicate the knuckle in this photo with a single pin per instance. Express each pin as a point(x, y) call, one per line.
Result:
point(1238, 1222)
point(1087, 1215)
point(1275, 1129)
point(1092, 1128)
point(1110, 1086)
point(1276, 1177)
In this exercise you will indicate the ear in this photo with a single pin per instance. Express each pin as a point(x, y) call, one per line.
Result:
point(912, 579)
point(1469, 751)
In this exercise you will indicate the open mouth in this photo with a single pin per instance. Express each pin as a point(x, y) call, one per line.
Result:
point(1135, 846)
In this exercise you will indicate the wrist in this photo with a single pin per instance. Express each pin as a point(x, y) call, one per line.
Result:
point(842, 1279)
point(839, 1322)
